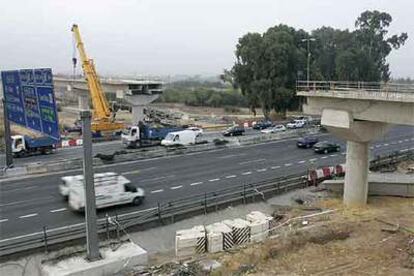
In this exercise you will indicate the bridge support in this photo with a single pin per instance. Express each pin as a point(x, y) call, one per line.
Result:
point(356, 173)
point(358, 135)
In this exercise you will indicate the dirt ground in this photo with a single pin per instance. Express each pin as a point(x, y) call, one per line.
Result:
point(350, 242)
point(355, 241)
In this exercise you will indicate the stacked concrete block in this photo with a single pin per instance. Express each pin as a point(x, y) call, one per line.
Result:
point(240, 230)
point(190, 241)
point(219, 237)
point(259, 225)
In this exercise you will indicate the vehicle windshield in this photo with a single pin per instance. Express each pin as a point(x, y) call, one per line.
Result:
point(169, 136)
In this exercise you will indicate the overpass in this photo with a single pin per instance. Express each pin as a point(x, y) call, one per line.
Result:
point(358, 112)
point(138, 93)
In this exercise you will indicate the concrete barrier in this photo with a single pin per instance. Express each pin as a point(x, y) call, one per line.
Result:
point(386, 184)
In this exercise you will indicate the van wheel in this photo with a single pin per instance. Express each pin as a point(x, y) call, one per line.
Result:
point(137, 201)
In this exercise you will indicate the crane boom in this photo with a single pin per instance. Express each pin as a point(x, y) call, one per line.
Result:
point(102, 114)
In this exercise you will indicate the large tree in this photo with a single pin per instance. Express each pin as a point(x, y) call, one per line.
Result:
point(268, 65)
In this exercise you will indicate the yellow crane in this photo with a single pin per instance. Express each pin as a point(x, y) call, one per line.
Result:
point(103, 117)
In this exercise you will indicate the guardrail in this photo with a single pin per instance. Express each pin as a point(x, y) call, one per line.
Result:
point(385, 162)
point(163, 213)
point(352, 86)
point(170, 211)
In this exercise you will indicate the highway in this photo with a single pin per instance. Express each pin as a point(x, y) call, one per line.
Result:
point(28, 204)
point(102, 147)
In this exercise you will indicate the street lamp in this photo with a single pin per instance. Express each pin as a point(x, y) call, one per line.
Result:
point(308, 40)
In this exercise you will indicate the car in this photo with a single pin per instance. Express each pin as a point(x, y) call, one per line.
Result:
point(234, 131)
point(262, 125)
point(274, 129)
point(306, 142)
point(296, 124)
point(325, 147)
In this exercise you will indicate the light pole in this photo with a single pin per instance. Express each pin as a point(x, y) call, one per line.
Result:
point(308, 40)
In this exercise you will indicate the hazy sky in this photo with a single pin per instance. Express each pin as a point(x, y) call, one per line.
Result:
point(162, 37)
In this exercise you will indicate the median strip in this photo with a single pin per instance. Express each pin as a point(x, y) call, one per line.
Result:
point(29, 215)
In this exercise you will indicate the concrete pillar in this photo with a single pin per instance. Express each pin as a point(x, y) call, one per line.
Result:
point(137, 113)
point(83, 102)
point(356, 173)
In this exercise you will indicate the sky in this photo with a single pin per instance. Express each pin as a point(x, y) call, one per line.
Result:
point(172, 37)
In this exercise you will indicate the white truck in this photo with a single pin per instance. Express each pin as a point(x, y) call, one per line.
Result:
point(110, 189)
point(181, 138)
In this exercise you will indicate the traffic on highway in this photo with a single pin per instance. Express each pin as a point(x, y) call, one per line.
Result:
point(32, 202)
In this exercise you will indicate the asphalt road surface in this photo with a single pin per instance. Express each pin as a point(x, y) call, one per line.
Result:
point(26, 205)
point(103, 147)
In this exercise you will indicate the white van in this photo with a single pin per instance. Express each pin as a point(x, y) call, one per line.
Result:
point(99, 179)
point(108, 194)
point(183, 138)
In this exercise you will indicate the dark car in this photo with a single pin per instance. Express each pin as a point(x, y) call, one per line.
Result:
point(234, 131)
point(262, 125)
point(306, 142)
point(325, 147)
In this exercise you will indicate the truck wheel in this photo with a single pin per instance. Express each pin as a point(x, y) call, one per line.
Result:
point(137, 201)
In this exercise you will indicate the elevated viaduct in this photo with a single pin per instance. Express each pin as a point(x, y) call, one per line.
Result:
point(358, 112)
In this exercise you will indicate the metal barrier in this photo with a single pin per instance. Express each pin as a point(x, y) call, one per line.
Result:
point(163, 213)
point(352, 86)
point(176, 209)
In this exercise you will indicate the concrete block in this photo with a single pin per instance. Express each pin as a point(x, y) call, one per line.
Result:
point(126, 256)
point(15, 171)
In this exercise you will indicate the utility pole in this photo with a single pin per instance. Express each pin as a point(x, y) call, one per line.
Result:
point(308, 40)
point(7, 137)
point(89, 186)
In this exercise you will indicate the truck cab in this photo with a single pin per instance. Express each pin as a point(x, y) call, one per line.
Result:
point(23, 145)
point(18, 144)
point(131, 136)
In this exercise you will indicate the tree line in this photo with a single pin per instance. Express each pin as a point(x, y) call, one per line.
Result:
point(268, 65)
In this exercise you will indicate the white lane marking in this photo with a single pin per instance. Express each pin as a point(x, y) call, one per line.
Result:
point(58, 210)
point(196, 183)
point(386, 145)
point(404, 150)
point(378, 146)
point(412, 139)
point(313, 159)
point(261, 170)
point(399, 142)
point(157, 191)
point(324, 157)
point(176, 187)
point(288, 164)
point(406, 140)
point(246, 173)
point(139, 171)
point(333, 155)
point(29, 215)
point(231, 176)
point(214, 179)
point(275, 167)
point(252, 161)
point(301, 161)
point(343, 153)
point(371, 147)
point(3, 220)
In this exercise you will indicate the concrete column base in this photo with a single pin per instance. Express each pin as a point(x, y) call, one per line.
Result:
point(356, 173)
point(137, 114)
point(83, 102)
